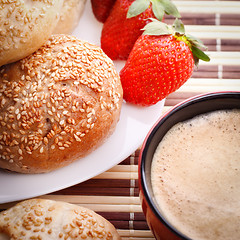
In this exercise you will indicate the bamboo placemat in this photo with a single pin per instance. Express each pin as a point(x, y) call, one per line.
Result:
point(114, 193)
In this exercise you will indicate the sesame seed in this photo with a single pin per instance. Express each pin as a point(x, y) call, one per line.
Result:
point(41, 150)
point(45, 140)
point(50, 112)
point(62, 122)
point(77, 138)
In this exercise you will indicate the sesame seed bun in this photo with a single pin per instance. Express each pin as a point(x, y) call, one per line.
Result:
point(48, 219)
point(57, 105)
point(69, 16)
point(25, 25)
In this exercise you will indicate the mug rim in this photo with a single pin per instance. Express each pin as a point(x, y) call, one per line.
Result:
point(148, 139)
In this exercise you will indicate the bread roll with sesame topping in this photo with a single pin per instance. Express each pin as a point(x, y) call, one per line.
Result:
point(69, 16)
point(25, 26)
point(57, 105)
point(48, 219)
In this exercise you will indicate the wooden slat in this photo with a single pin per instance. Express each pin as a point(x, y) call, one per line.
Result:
point(208, 6)
point(112, 207)
point(214, 32)
point(222, 58)
point(118, 175)
point(94, 199)
point(213, 82)
point(137, 234)
point(122, 168)
point(189, 88)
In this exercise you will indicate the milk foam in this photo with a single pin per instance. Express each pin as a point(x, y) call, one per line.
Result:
point(196, 176)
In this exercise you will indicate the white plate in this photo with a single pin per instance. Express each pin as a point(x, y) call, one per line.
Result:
point(133, 126)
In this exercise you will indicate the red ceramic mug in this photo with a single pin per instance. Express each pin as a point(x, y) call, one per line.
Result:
point(160, 227)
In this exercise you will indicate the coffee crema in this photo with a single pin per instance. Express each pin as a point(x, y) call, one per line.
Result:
point(195, 176)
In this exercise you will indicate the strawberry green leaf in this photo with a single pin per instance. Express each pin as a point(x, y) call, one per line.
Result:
point(158, 9)
point(156, 28)
point(170, 8)
point(199, 54)
point(196, 42)
point(137, 7)
point(178, 26)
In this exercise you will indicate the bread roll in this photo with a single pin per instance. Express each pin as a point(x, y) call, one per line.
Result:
point(57, 105)
point(51, 220)
point(69, 16)
point(25, 25)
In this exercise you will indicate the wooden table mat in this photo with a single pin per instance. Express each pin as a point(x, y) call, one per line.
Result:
point(114, 193)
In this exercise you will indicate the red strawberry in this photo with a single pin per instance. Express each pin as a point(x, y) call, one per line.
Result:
point(159, 64)
point(125, 22)
point(101, 9)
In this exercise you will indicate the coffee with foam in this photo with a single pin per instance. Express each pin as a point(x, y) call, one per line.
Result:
point(195, 176)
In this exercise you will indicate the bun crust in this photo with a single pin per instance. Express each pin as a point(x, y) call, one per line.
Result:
point(70, 14)
point(57, 105)
point(47, 219)
point(25, 26)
